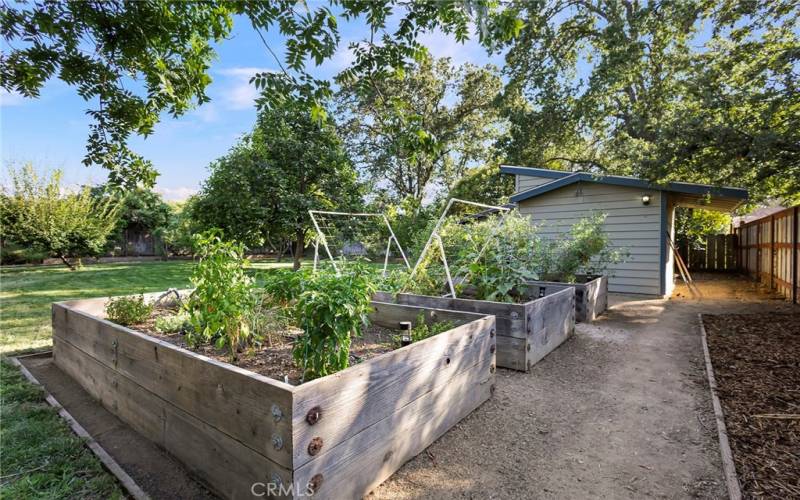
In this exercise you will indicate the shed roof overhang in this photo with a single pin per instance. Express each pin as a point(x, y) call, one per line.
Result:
point(684, 194)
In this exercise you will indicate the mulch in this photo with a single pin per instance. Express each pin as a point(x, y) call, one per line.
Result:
point(756, 359)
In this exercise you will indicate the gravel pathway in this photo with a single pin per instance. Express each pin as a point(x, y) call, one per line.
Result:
point(621, 410)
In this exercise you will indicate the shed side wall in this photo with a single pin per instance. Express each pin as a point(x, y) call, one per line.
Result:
point(630, 225)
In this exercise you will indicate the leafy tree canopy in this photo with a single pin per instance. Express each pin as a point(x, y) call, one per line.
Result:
point(485, 185)
point(638, 88)
point(40, 214)
point(138, 207)
point(107, 49)
point(423, 127)
point(263, 188)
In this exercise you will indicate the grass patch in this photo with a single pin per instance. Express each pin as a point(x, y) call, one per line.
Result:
point(42, 458)
point(27, 292)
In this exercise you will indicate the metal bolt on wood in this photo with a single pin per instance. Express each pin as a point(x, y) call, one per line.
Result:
point(315, 483)
point(276, 479)
point(277, 414)
point(277, 442)
point(491, 333)
point(493, 348)
point(315, 446)
point(492, 368)
point(314, 415)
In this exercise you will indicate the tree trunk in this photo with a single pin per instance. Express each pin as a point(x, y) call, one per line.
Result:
point(299, 246)
point(65, 261)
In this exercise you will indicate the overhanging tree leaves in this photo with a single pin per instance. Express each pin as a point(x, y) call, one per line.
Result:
point(106, 49)
point(262, 190)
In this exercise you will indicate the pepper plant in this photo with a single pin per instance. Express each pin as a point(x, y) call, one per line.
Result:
point(224, 297)
point(331, 309)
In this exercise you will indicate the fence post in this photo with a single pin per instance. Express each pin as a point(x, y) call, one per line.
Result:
point(772, 252)
point(794, 253)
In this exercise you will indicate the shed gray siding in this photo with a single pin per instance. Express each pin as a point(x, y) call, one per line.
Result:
point(629, 224)
point(528, 181)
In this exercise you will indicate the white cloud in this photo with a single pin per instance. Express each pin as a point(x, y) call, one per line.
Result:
point(237, 92)
point(176, 194)
point(10, 98)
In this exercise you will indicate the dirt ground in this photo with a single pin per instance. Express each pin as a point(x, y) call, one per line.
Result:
point(621, 410)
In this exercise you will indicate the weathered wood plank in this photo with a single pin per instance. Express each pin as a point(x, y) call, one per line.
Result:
point(512, 353)
point(510, 316)
point(226, 465)
point(356, 466)
point(591, 298)
point(389, 315)
point(356, 398)
point(552, 321)
point(233, 400)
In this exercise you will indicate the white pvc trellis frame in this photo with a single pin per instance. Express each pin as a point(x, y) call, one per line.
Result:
point(321, 238)
point(435, 237)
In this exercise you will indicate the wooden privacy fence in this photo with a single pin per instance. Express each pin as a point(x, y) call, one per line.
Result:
point(769, 251)
point(720, 254)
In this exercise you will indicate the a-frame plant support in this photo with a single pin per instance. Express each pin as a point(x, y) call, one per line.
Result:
point(321, 238)
point(435, 238)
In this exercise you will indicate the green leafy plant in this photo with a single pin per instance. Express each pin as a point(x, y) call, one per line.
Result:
point(173, 323)
point(284, 286)
point(490, 259)
point(423, 330)
point(128, 310)
point(224, 295)
point(585, 249)
point(331, 309)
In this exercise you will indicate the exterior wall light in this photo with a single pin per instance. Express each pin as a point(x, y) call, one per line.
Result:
point(645, 199)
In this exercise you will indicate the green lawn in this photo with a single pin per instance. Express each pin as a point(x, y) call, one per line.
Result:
point(27, 292)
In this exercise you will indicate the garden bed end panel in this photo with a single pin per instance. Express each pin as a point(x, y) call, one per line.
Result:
point(591, 297)
point(526, 332)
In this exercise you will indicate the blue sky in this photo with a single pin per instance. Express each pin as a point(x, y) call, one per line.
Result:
point(51, 131)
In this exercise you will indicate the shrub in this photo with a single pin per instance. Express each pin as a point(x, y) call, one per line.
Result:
point(224, 297)
point(173, 323)
point(331, 309)
point(41, 214)
point(128, 310)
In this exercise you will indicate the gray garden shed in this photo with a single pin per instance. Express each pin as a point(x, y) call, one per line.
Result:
point(640, 216)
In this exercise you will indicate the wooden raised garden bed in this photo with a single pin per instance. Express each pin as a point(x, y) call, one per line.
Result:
point(526, 332)
point(591, 295)
point(248, 435)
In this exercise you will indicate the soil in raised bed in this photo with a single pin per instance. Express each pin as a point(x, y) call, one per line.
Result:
point(274, 358)
point(756, 359)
